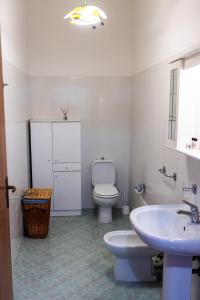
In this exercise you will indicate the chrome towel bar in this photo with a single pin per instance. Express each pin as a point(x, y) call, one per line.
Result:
point(163, 171)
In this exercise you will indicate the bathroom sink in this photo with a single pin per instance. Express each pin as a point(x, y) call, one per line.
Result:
point(163, 229)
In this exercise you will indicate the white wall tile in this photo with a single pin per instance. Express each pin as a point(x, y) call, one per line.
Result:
point(16, 225)
point(103, 104)
point(149, 113)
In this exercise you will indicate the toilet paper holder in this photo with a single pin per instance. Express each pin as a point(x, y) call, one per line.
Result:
point(139, 188)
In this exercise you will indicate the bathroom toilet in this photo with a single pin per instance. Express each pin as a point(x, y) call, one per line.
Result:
point(105, 193)
point(133, 258)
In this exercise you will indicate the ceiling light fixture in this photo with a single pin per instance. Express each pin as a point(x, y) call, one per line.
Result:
point(86, 15)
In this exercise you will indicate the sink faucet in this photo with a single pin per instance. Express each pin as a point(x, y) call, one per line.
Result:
point(194, 213)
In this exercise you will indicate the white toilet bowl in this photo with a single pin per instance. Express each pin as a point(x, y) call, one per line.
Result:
point(105, 196)
point(132, 256)
point(105, 193)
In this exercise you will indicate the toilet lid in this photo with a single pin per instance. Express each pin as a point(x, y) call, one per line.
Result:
point(106, 190)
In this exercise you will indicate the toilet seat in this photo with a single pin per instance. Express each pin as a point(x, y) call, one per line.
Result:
point(105, 191)
point(105, 194)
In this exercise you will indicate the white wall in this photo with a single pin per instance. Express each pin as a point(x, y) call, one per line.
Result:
point(163, 29)
point(103, 105)
point(137, 36)
point(13, 20)
point(149, 122)
point(17, 113)
point(102, 58)
point(57, 48)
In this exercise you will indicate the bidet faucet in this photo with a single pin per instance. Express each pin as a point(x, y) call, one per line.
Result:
point(194, 213)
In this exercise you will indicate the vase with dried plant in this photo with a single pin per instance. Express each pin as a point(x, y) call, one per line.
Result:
point(65, 110)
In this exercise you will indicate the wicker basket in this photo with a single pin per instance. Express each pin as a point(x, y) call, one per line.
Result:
point(36, 205)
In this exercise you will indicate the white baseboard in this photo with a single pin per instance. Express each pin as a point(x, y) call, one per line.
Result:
point(66, 213)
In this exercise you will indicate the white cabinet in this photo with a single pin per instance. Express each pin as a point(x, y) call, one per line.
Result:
point(67, 190)
point(41, 153)
point(56, 163)
point(66, 142)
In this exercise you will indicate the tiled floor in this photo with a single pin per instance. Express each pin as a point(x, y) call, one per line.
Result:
point(73, 264)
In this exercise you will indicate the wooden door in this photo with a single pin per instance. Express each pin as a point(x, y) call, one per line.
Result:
point(6, 292)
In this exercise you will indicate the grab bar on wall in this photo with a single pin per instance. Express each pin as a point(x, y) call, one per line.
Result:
point(163, 171)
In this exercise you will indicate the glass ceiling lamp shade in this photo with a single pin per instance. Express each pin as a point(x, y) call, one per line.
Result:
point(86, 15)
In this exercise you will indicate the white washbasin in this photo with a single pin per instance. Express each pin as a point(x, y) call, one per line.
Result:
point(162, 228)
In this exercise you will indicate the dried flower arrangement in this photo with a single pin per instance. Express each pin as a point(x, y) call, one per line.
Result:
point(65, 111)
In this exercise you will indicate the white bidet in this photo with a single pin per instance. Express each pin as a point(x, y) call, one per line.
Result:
point(133, 258)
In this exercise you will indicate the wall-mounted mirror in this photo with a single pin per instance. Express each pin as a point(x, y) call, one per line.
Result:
point(184, 106)
point(189, 109)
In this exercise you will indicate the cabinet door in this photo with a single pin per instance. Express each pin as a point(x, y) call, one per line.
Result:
point(66, 142)
point(41, 151)
point(67, 190)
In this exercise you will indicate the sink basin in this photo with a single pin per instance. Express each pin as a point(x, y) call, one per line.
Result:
point(162, 228)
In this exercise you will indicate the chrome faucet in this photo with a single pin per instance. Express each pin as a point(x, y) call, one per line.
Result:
point(192, 188)
point(194, 213)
